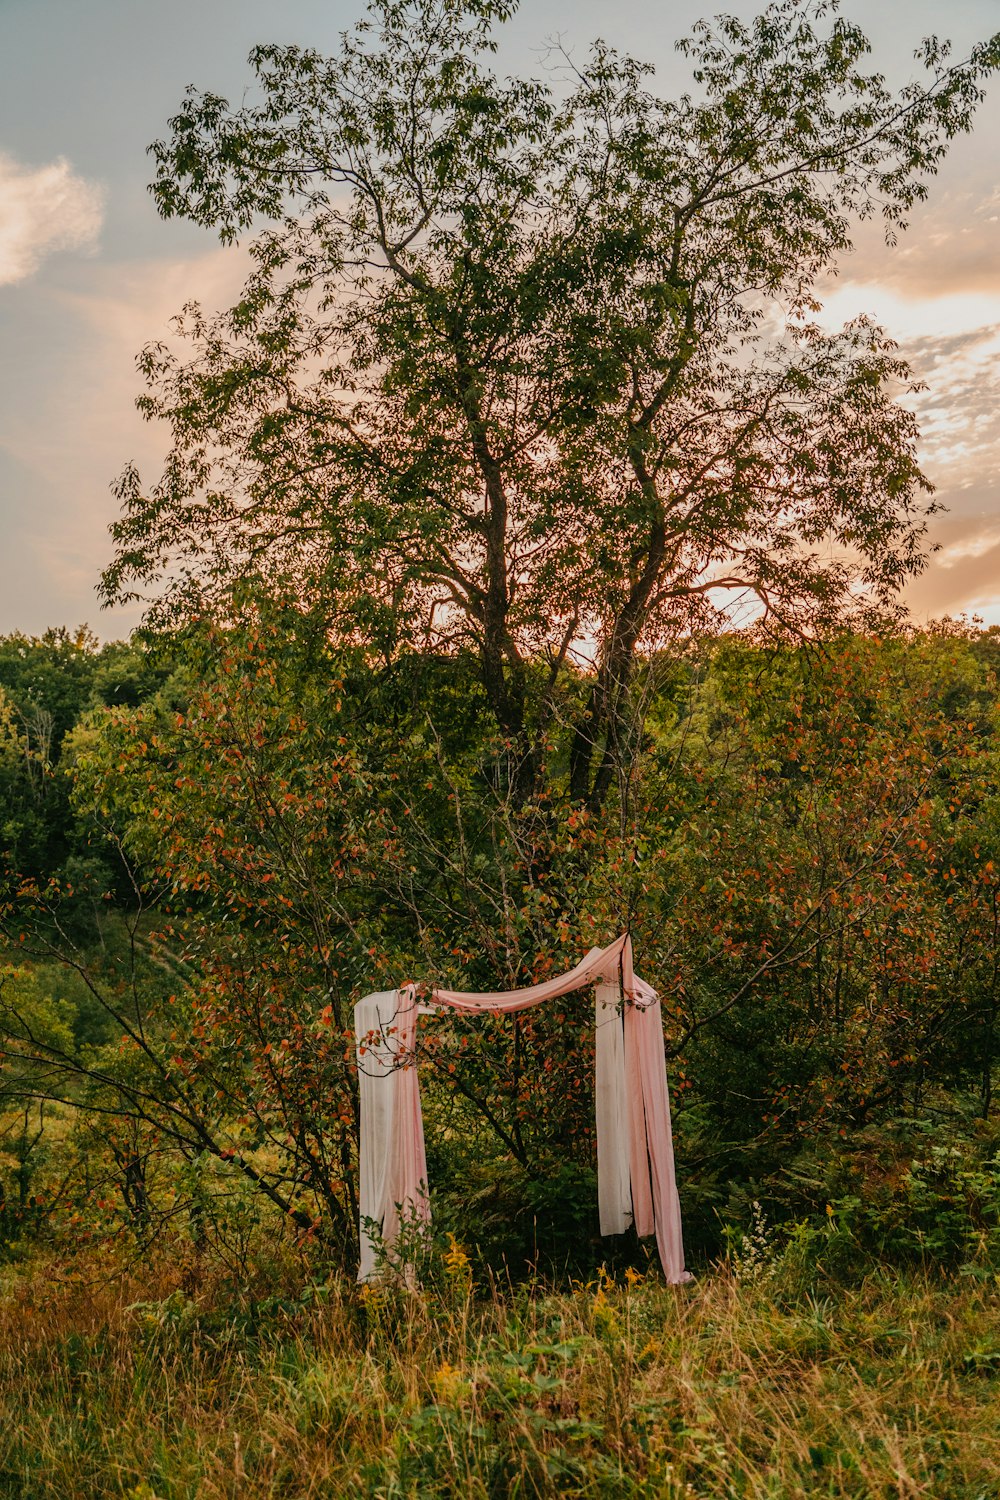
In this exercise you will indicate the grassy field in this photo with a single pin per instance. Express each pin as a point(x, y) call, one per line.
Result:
point(730, 1387)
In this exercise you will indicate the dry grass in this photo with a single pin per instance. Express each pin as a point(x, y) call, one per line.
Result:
point(721, 1389)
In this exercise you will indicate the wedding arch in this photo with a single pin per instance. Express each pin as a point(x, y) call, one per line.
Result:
point(635, 1156)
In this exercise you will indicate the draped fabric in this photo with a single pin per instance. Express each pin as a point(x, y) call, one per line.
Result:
point(614, 1177)
point(635, 1157)
point(393, 1165)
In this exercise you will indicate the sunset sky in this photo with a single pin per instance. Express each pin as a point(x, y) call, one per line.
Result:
point(88, 273)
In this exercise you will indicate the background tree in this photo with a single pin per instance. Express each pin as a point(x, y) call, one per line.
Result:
point(526, 366)
point(49, 685)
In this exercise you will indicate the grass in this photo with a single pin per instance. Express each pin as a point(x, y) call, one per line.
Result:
point(725, 1388)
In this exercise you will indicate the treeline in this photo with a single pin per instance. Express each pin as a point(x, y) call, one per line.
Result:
point(215, 841)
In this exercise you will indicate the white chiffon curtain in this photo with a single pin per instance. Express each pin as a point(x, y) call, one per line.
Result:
point(635, 1156)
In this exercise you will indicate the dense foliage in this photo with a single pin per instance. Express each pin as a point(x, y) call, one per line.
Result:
point(47, 686)
point(806, 851)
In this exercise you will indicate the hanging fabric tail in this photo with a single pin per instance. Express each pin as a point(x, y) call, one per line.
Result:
point(393, 1165)
point(639, 1127)
point(614, 1196)
point(408, 1163)
point(373, 1018)
point(646, 1074)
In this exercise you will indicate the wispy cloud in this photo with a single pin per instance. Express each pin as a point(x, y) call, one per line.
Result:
point(946, 317)
point(964, 575)
point(67, 433)
point(44, 209)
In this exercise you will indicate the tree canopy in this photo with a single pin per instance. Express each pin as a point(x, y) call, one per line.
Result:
point(529, 367)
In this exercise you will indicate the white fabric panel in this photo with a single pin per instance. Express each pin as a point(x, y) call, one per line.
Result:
point(614, 1195)
point(377, 1082)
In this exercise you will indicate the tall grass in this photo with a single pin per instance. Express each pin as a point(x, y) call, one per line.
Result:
point(730, 1387)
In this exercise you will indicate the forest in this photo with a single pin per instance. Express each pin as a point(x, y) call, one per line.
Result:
point(515, 579)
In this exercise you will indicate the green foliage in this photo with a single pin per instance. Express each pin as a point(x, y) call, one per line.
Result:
point(909, 1192)
point(528, 366)
point(805, 851)
point(27, 1011)
point(50, 686)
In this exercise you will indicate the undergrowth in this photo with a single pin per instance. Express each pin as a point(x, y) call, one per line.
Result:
point(750, 1382)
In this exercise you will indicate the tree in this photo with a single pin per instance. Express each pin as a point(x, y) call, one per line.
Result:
point(526, 368)
point(23, 1082)
point(825, 904)
point(49, 686)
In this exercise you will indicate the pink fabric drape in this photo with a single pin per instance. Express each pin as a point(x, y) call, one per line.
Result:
point(598, 962)
point(646, 1072)
point(407, 1175)
point(654, 1201)
point(393, 1168)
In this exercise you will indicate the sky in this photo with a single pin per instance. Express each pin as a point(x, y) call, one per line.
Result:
point(89, 273)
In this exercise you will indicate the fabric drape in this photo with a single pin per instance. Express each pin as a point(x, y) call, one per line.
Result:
point(635, 1158)
point(393, 1176)
point(614, 1191)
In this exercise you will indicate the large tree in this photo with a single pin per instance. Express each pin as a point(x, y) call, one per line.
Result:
point(528, 367)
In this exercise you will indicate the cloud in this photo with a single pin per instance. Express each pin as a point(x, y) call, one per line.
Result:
point(44, 209)
point(952, 246)
point(964, 574)
point(68, 424)
point(959, 412)
point(959, 416)
point(952, 341)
